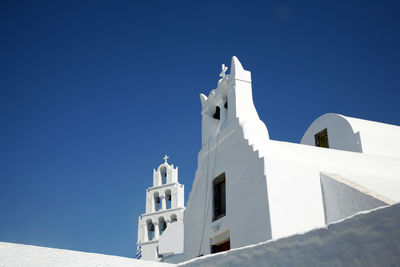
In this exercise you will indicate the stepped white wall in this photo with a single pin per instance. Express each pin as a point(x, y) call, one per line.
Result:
point(226, 149)
point(247, 215)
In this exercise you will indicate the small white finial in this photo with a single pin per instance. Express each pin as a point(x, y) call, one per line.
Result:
point(165, 159)
point(224, 69)
point(203, 99)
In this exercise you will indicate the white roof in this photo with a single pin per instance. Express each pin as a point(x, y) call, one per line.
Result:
point(12, 254)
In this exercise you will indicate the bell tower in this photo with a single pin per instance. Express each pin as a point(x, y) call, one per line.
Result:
point(160, 228)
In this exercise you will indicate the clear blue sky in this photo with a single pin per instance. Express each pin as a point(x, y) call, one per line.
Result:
point(92, 95)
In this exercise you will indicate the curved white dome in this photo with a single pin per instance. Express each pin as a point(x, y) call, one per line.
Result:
point(357, 135)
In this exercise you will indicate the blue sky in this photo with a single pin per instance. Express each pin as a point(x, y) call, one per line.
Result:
point(94, 94)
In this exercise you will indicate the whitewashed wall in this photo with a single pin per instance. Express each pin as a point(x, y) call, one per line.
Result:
point(366, 239)
point(171, 241)
point(343, 198)
point(247, 215)
point(294, 187)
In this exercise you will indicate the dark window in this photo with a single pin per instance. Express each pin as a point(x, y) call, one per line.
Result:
point(321, 139)
point(226, 104)
point(217, 113)
point(226, 245)
point(219, 203)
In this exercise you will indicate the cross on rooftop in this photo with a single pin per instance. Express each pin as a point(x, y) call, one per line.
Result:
point(165, 158)
point(224, 69)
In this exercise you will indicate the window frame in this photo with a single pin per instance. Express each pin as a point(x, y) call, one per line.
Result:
point(319, 138)
point(219, 197)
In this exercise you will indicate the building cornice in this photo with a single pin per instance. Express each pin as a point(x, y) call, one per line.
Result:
point(162, 186)
point(161, 211)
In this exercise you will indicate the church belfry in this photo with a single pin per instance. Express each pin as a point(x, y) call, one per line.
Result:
point(160, 228)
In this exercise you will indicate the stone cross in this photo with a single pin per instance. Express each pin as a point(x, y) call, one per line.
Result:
point(165, 158)
point(224, 69)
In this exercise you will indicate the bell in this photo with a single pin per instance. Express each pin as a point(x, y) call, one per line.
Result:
point(217, 113)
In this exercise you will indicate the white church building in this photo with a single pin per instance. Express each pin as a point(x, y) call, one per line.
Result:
point(332, 200)
point(249, 188)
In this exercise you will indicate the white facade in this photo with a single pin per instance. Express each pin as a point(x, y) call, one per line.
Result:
point(160, 228)
point(227, 149)
point(275, 189)
point(369, 238)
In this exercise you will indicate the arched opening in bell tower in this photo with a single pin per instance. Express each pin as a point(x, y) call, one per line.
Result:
point(157, 202)
point(150, 230)
point(163, 173)
point(168, 198)
point(162, 224)
point(174, 218)
point(217, 112)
